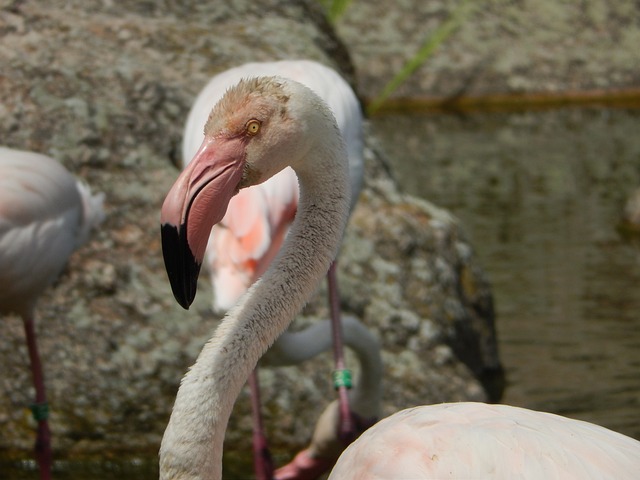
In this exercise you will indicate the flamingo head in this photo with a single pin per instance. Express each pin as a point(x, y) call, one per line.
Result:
point(253, 132)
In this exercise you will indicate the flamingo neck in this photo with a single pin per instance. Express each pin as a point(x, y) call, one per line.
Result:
point(192, 444)
point(296, 347)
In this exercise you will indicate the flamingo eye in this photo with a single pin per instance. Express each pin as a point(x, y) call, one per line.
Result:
point(253, 127)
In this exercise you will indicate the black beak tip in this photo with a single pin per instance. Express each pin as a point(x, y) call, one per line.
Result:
point(182, 267)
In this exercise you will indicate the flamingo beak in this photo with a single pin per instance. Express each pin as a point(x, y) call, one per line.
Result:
point(197, 201)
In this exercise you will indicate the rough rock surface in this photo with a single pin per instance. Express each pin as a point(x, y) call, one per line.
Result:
point(502, 46)
point(104, 87)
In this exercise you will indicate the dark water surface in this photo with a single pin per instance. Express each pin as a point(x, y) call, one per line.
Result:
point(540, 194)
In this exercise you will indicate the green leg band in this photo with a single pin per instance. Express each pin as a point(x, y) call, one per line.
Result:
point(40, 411)
point(342, 378)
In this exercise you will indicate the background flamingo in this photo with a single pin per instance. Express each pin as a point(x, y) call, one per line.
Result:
point(245, 241)
point(253, 132)
point(45, 214)
point(243, 244)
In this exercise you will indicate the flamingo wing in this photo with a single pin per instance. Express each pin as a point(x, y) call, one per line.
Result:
point(40, 218)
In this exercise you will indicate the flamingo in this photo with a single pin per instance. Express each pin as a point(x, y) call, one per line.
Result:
point(45, 214)
point(260, 126)
point(243, 244)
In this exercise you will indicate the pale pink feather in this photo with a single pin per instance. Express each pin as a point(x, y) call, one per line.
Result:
point(476, 440)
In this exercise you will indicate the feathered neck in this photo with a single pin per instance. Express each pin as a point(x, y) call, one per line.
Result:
point(192, 444)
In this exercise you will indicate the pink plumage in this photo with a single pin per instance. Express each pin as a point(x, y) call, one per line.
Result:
point(475, 440)
point(242, 246)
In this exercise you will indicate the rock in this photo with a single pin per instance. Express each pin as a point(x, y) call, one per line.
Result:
point(105, 87)
point(540, 46)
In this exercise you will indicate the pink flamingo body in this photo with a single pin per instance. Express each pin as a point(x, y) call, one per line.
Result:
point(45, 214)
point(476, 440)
point(257, 129)
point(244, 243)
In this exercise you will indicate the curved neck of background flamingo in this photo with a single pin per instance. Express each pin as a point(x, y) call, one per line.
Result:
point(293, 348)
point(192, 444)
point(365, 398)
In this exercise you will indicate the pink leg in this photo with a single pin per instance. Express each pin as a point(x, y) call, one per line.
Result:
point(40, 408)
point(342, 377)
point(303, 466)
point(306, 466)
point(262, 462)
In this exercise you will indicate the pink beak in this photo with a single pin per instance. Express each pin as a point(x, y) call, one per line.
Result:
point(197, 201)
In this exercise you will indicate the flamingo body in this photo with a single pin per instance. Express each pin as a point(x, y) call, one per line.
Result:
point(45, 214)
point(244, 243)
point(475, 440)
point(241, 247)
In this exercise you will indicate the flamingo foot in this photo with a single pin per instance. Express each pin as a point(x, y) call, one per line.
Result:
point(304, 467)
point(307, 466)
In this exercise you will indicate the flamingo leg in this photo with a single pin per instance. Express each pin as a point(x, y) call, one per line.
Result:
point(347, 429)
point(303, 466)
point(262, 461)
point(40, 408)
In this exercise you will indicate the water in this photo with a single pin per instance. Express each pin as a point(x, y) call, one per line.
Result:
point(131, 469)
point(540, 194)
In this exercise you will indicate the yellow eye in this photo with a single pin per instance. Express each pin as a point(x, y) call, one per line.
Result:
point(253, 127)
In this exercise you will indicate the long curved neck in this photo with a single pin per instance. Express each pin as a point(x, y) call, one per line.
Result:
point(293, 348)
point(192, 444)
